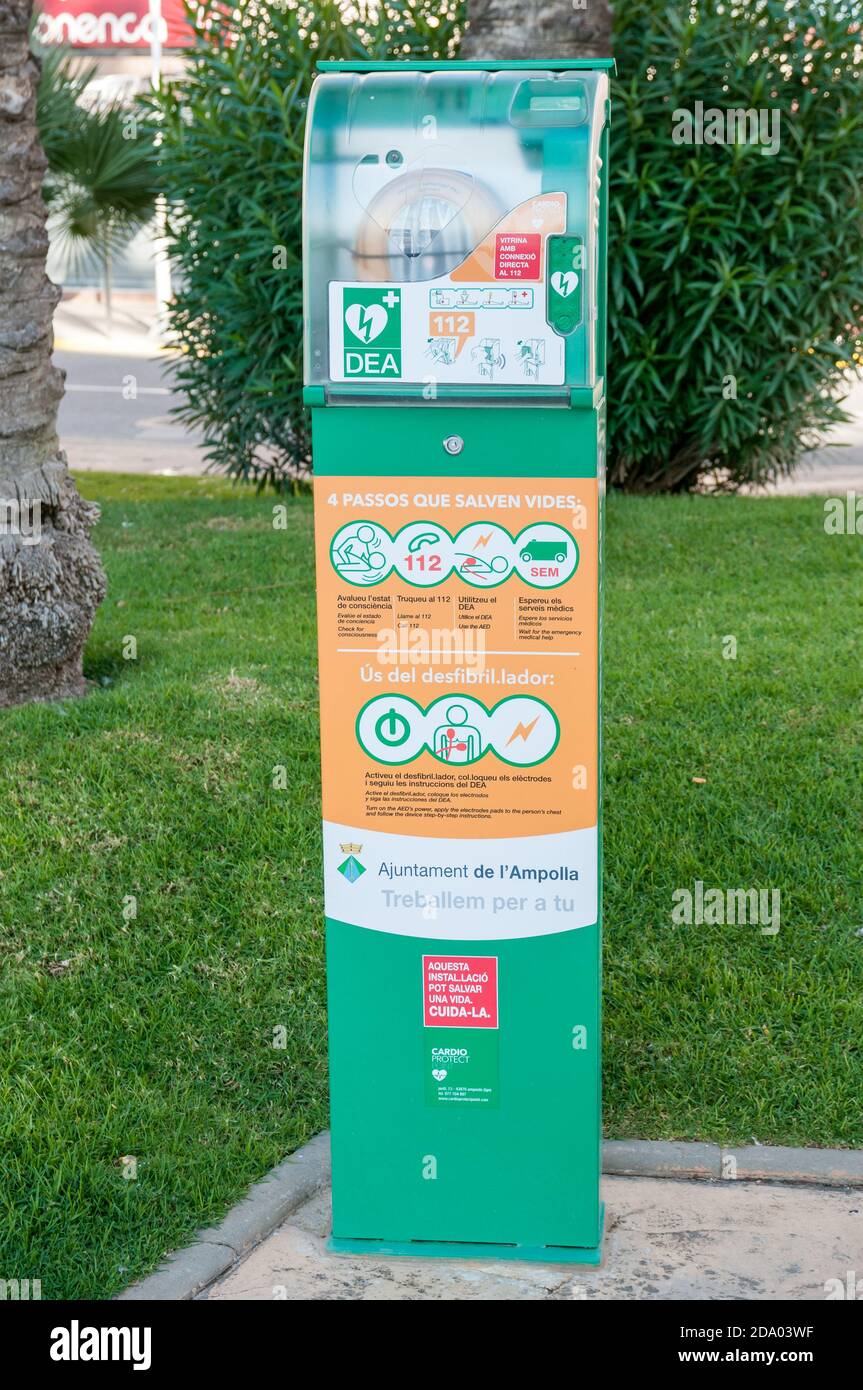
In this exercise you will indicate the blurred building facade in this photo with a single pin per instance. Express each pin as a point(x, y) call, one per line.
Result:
point(128, 42)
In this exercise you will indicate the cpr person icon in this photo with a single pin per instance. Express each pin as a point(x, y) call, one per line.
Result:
point(360, 553)
point(456, 741)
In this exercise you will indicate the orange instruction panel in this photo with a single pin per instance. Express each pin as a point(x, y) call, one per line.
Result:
point(458, 635)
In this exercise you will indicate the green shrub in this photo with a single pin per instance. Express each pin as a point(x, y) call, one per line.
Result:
point(232, 165)
point(736, 276)
point(731, 268)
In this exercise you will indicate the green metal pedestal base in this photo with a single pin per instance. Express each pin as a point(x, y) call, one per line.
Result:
point(462, 1250)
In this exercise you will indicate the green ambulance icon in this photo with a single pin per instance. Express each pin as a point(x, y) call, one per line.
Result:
point(373, 331)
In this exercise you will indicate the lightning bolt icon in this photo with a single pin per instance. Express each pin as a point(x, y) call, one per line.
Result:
point(482, 540)
point(522, 731)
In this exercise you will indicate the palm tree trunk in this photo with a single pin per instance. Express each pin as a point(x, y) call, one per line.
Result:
point(51, 580)
point(537, 29)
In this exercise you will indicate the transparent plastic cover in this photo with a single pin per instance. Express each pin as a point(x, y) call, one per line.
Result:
point(450, 229)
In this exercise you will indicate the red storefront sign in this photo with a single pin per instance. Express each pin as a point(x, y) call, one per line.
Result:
point(123, 24)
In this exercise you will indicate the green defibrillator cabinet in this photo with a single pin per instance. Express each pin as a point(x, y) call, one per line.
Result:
point(455, 274)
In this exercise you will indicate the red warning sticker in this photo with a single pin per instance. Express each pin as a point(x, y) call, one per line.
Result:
point(517, 256)
point(460, 991)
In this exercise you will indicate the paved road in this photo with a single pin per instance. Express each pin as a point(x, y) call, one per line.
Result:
point(103, 425)
point(115, 416)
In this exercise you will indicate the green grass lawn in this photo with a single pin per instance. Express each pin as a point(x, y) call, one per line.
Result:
point(151, 1036)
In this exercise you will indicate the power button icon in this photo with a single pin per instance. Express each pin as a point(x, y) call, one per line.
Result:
point(392, 729)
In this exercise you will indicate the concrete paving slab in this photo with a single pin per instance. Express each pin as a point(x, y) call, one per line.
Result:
point(81, 324)
point(172, 458)
point(665, 1240)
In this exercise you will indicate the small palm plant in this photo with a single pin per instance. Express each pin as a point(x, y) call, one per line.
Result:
point(101, 186)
